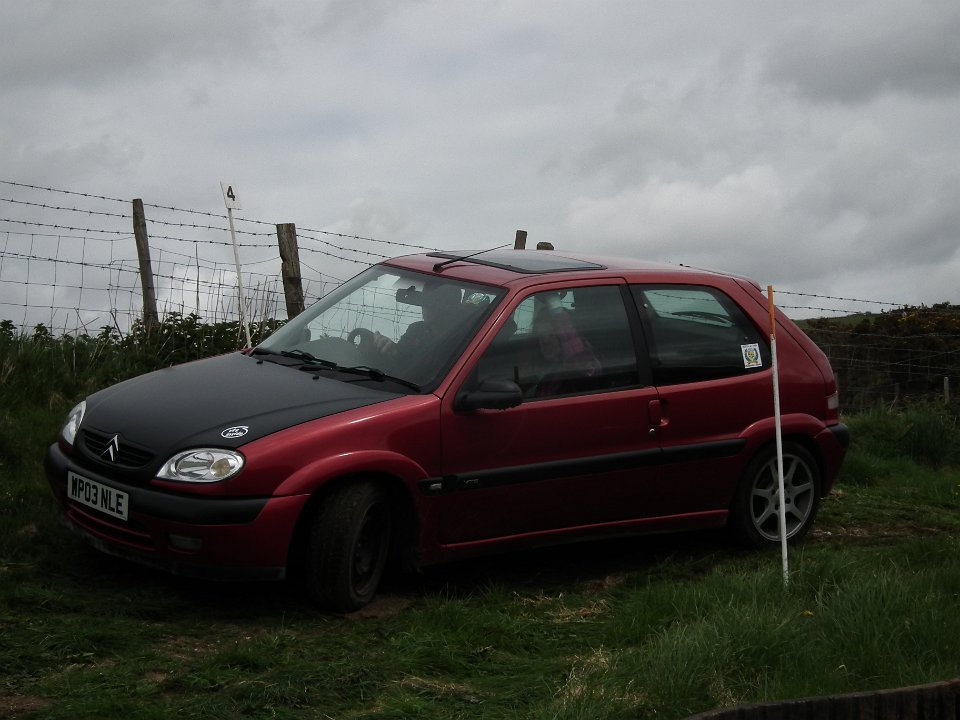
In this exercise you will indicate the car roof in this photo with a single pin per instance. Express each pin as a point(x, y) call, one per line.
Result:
point(503, 266)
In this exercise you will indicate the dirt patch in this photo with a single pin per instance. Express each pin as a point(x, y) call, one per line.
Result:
point(441, 690)
point(385, 606)
point(872, 532)
point(19, 705)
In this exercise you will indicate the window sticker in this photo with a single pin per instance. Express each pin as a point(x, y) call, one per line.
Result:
point(751, 355)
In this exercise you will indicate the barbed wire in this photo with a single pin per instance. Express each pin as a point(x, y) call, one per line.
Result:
point(135, 270)
point(376, 256)
point(195, 262)
point(55, 235)
point(44, 206)
point(126, 235)
point(64, 192)
point(193, 268)
point(834, 297)
point(119, 234)
point(41, 257)
point(340, 253)
point(203, 213)
point(345, 236)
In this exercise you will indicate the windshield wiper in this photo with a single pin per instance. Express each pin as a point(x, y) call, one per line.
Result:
point(275, 355)
point(377, 374)
point(299, 355)
point(295, 353)
point(307, 360)
point(365, 371)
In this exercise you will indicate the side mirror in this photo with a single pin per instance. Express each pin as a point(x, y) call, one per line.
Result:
point(490, 395)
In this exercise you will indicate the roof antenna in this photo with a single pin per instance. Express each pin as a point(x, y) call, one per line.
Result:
point(441, 265)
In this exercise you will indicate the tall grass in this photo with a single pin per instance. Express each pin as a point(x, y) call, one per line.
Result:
point(42, 376)
point(654, 627)
point(926, 432)
point(40, 369)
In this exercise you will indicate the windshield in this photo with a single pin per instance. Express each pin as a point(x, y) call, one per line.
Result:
point(386, 324)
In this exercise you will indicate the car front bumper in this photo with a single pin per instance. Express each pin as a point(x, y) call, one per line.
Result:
point(214, 538)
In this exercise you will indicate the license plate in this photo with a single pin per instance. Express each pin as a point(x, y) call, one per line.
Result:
point(104, 498)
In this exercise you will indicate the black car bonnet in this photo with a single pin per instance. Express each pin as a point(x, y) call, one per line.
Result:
point(225, 401)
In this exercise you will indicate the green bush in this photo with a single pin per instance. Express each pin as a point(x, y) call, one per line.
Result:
point(862, 469)
point(924, 432)
point(658, 627)
point(42, 370)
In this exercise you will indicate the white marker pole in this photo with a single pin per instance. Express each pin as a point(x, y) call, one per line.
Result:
point(233, 203)
point(776, 418)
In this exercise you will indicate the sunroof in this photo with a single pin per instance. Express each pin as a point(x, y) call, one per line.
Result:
point(521, 261)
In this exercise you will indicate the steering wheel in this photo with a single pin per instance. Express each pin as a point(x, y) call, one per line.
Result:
point(363, 340)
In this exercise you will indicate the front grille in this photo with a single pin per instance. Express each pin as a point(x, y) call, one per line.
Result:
point(113, 450)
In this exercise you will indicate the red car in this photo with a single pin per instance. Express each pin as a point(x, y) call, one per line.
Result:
point(440, 406)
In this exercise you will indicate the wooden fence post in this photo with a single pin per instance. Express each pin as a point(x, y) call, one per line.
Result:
point(520, 243)
point(150, 318)
point(290, 268)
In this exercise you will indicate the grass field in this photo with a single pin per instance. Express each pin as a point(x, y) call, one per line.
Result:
point(652, 627)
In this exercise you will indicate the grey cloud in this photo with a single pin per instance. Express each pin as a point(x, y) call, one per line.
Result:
point(812, 143)
point(45, 43)
point(349, 18)
point(852, 56)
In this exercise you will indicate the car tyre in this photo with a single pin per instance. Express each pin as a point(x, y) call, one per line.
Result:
point(347, 547)
point(755, 511)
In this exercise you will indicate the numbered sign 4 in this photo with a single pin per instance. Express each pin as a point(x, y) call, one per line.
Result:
point(230, 197)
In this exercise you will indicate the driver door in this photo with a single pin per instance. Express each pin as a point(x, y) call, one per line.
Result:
point(578, 450)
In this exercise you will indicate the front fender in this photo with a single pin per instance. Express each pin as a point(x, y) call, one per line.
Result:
point(307, 479)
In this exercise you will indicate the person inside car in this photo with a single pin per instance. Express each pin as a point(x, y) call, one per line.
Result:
point(570, 364)
point(439, 307)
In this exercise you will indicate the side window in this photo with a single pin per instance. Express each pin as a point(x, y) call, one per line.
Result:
point(698, 333)
point(564, 342)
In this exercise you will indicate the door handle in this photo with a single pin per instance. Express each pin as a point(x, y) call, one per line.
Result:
point(656, 416)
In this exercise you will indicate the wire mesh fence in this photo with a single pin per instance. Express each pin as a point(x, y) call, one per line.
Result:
point(69, 266)
point(68, 261)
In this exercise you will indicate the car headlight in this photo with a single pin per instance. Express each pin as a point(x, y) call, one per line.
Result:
point(72, 425)
point(202, 465)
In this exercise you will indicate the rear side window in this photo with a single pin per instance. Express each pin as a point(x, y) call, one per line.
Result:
point(698, 333)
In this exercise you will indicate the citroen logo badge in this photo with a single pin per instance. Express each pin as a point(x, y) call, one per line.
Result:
point(113, 448)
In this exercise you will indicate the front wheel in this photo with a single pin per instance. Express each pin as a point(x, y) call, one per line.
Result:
point(755, 514)
point(347, 547)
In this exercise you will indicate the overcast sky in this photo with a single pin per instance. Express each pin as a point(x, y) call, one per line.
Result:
point(810, 145)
